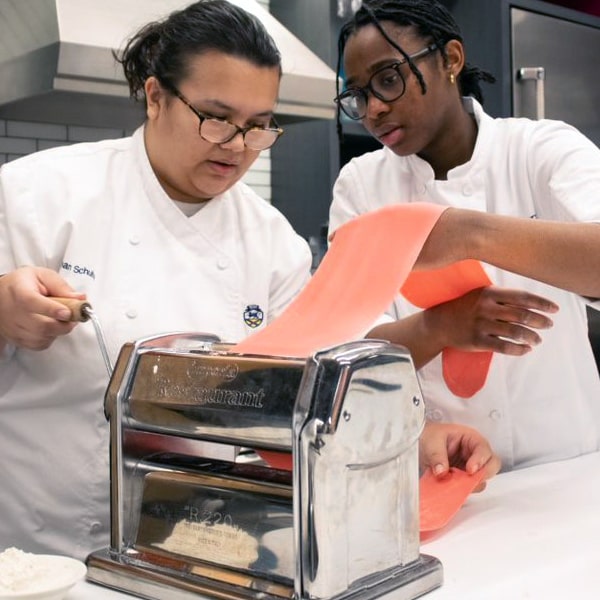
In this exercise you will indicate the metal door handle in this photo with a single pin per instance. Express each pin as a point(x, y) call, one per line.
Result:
point(539, 75)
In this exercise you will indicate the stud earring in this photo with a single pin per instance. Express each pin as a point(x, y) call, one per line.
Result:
point(452, 78)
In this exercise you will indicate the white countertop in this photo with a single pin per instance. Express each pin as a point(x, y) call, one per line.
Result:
point(533, 534)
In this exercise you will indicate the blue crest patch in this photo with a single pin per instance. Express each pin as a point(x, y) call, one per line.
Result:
point(253, 315)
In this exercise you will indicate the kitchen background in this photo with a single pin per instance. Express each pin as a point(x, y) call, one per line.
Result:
point(502, 36)
point(59, 85)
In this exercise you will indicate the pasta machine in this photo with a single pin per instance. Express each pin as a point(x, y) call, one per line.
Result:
point(245, 477)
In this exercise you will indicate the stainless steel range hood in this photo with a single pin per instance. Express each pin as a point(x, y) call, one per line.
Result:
point(56, 62)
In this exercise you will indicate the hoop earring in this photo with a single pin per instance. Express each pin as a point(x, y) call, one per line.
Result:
point(452, 78)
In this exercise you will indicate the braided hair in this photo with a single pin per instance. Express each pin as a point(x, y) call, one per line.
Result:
point(431, 20)
point(162, 48)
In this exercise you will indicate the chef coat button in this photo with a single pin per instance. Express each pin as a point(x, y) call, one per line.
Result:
point(95, 527)
point(134, 240)
point(222, 263)
point(422, 189)
point(435, 415)
point(131, 313)
point(495, 415)
point(467, 190)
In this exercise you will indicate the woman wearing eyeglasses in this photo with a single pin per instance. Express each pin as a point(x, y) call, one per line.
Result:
point(159, 234)
point(524, 197)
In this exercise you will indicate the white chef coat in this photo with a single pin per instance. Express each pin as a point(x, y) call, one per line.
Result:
point(97, 215)
point(546, 405)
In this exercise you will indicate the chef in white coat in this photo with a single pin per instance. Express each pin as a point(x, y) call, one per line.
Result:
point(158, 233)
point(524, 197)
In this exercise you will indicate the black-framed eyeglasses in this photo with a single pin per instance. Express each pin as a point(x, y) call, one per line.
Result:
point(387, 84)
point(221, 131)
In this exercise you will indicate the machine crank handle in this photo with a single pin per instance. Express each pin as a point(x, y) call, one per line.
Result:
point(79, 308)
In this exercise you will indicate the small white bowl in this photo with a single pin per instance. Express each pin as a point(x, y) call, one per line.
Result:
point(65, 573)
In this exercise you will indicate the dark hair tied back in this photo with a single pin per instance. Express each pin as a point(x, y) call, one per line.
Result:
point(163, 48)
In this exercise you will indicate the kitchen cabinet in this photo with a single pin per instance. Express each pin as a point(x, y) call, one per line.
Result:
point(505, 37)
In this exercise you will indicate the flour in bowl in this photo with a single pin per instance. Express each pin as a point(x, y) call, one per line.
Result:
point(18, 570)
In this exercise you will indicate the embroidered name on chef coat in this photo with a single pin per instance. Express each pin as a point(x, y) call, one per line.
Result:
point(79, 270)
